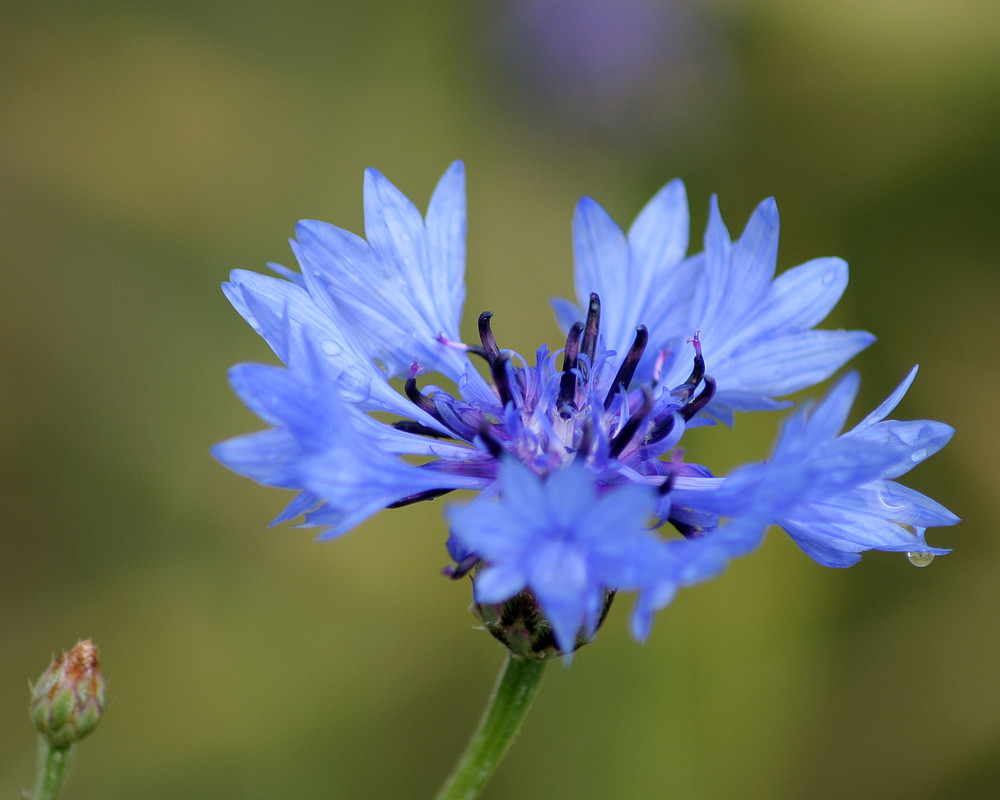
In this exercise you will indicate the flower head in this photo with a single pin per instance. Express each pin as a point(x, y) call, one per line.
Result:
point(575, 456)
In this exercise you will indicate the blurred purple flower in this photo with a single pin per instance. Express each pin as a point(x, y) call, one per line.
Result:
point(633, 66)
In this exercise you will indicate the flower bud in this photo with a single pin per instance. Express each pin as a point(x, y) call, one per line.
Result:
point(521, 626)
point(68, 700)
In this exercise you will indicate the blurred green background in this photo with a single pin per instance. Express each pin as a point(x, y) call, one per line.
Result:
point(146, 149)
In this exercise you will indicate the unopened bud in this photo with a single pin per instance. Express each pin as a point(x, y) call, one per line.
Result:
point(68, 700)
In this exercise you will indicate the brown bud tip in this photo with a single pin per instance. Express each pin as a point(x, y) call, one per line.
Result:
point(68, 700)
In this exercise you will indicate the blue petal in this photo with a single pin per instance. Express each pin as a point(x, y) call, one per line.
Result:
point(287, 274)
point(355, 482)
point(799, 298)
point(754, 257)
point(601, 256)
point(754, 329)
point(829, 416)
point(913, 441)
point(303, 502)
point(789, 363)
point(263, 456)
point(283, 313)
point(658, 239)
point(446, 227)
point(404, 286)
point(395, 231)
point(496, 584)
point(712, 289)
point(567, 312)
point(890, 403)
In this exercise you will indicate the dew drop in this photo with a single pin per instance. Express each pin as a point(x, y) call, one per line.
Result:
point(919, 558)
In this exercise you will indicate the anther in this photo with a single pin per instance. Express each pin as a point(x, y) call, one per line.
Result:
point(567, 384)
point(589, 346)
point(409, 426)
point(661, 430)
point(624, 436)
point(490, 349)
point(699, 402)
point(667, 486)
point(492, 444)
point(430, 494)
point(420, 400)
point(685, 529)
point(498, 369)
point(462, 568)
point(697, 371)
point(586, 439)
point(673, 468)
point(628, 366)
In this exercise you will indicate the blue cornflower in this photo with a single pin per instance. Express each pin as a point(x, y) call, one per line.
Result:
point(575, 457)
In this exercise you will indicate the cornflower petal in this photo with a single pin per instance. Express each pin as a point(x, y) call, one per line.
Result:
point(833, 494)
point(639, 277)
point(753, 331)
point(402, 288)
point(552, 537)
point(283, 312)
point(785, 364)
point(325, 446)
point(685, 562)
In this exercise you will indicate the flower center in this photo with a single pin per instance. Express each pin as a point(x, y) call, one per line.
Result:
point(546, 416)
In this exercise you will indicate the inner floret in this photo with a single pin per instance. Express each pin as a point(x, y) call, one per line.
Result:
point(549, 415)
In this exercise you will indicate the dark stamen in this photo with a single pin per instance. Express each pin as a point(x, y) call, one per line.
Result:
point(685, 529)
point(586, 439)
point(409, 426)
point(430, 494)
point(667, 486)
point(498, 369)
point(462, 568)
point(624, 436)
point(420, 400)
point(492, 443)
point(490, 349)
point(660, 430)
point(567, 384)
point(589, 345)
point(697, 372)
point(629, 364)
point(702, 400)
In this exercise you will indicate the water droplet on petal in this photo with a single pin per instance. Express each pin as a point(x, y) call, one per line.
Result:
point(918, 455)
point(829, 277)
point(919, 558)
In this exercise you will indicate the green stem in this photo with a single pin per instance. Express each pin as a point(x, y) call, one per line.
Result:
point(505, 711)
point(51, 768)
